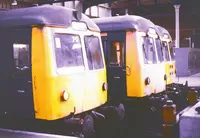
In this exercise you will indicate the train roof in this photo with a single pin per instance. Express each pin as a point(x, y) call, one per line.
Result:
point(124, 22)
point(162, 31)
point(42, 15)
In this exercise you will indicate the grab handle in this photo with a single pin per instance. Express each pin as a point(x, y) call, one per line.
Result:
point(127, 70)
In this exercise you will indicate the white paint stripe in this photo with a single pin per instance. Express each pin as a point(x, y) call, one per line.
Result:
point(34, 133)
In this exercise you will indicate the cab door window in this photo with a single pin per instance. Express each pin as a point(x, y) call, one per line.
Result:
point(93, 52)
point(21, 56)
point(117, 54)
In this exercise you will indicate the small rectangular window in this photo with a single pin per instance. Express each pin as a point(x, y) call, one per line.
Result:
point(116, 54)
point(21, 55)
point(94, 53)
point(68, 51)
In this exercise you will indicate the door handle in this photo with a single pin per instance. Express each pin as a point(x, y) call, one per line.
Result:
point(127, 70)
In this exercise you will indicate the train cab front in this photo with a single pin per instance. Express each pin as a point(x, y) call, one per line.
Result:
point(80, 71)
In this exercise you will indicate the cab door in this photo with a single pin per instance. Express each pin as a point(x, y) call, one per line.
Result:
point(16, 96)
point(114, 45)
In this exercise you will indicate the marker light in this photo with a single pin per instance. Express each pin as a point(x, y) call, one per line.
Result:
point(65, 95)
point(105, 86)
point(152, 31)
point(80, 26)
point(166, 36)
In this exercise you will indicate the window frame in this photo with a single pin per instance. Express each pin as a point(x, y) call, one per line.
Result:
point(165, 49)
point(28, 53)
point(101, 51)
point(67, 70)
point(159, 49)
point(144, 53)
point(118, 50)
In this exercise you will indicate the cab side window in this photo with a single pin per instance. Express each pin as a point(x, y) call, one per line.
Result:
point(105, 48)
point(165, 51)
point(21, 55)
point(149, 52)
point(172, 51)
point(159, 48)
point(93, 52)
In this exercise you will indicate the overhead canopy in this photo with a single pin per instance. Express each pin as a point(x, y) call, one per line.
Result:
point(86, 3)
